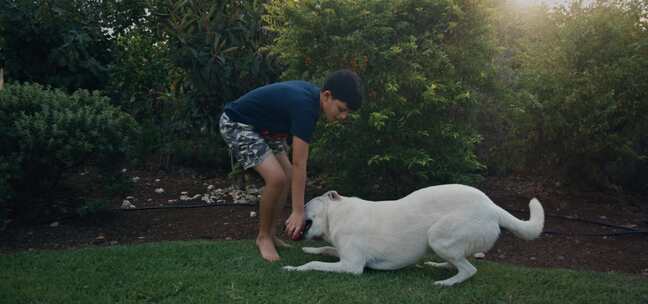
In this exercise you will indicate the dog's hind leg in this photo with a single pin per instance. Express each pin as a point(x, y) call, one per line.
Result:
point(466, 270)
point(444, 265)
point(452, 243)
point(326, 250)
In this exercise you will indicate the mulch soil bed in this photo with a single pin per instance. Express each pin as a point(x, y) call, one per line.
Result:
point(592, 231)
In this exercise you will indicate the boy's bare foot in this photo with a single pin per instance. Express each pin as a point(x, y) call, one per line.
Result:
point(280, 243)
point(267, 249)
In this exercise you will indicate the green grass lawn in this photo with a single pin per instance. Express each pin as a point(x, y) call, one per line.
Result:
point(232, 272)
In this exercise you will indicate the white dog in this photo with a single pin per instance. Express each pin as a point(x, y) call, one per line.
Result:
point(455, 221)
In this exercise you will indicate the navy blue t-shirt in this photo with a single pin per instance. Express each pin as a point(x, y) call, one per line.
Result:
point(290, 107)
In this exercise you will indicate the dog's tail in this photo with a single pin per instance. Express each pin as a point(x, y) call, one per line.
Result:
point(527, 230)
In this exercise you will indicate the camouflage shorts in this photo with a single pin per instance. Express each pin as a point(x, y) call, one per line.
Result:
point(249, 148)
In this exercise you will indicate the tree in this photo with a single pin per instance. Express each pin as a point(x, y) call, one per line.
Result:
point(66, 44)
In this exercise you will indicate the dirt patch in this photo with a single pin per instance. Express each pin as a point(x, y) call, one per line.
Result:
point(577, 235)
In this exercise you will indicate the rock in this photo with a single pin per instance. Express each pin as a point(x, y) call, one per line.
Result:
point(185, 197)
point(157, 180)
point(235, 194)
point(54, 224)
point(100, 239)
point(217, 193)
point(172, 201)
point(124, 170)
point(135, 179)
point(479, 255)
point(210, 187)
point(207, 199)
point(126, 204)
point(253, 214)
point(159, 190)
point(252, 190)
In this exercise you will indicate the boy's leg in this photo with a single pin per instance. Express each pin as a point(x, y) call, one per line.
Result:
point(275, 181)
point(252, 151)
point(277, 219)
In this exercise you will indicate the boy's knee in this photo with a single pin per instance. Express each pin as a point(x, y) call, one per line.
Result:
point(278, 180)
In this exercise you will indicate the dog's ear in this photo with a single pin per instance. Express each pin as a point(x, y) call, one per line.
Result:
point(333, 195)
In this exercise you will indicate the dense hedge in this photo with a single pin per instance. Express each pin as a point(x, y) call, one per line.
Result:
point(583, 94)
point(413, 129)
point(47, 133)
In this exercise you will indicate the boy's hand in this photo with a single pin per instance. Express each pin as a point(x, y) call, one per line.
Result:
point(295, 225)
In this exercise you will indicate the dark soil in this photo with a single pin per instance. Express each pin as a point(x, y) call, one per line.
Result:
point(577, 235)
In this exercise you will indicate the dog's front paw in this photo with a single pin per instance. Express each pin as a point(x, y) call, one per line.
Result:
point(311, 250)
point(445, 283)
point(291, 268)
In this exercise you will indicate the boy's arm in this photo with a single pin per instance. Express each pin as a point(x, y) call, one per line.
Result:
point(295, 222)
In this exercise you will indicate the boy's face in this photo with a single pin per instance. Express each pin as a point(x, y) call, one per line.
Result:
point(334, 109)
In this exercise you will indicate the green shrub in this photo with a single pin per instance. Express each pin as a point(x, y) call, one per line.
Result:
point(144, 83)
point(583, 100)
point(45, 134)
point(172, 137)
point(141, 73)
point(414, 128)
point(202, 152)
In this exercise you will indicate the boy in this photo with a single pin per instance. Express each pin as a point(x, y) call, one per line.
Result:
point(256, 126)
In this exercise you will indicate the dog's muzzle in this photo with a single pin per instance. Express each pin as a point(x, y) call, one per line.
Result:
point(308, 223)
